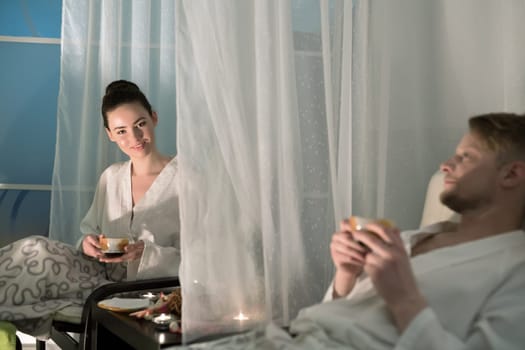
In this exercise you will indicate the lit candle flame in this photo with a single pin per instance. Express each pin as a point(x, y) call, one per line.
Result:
point(241, 317)
point(163, 317)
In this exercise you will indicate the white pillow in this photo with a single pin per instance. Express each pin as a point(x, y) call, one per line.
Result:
point(433, 210)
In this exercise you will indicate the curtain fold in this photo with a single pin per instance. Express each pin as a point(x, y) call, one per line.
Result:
point(103, 41)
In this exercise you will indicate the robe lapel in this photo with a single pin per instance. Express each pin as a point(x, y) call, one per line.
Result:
point(448, 256)
point(153, 193)
point(126, 199)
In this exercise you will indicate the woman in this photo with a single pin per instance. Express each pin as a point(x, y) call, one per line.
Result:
point(137, 199)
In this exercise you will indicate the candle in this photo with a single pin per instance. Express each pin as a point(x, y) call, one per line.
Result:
point(163, 321)
point(162, 318)
point(150, 296)
point(241, 317)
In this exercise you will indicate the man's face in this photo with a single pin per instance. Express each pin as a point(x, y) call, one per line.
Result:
point(471, 176)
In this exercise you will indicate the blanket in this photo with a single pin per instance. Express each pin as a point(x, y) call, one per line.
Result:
point(39, 277)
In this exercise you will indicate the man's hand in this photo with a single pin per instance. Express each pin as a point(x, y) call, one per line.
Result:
point(388, 266)
point(348, 257)
point(132, 251)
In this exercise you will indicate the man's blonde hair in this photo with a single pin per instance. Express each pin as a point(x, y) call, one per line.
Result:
point(503, 133)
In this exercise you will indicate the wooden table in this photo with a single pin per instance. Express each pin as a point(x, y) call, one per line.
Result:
point(116, 330)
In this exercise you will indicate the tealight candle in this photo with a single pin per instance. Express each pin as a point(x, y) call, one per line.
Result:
point(163, 320)
point(151, 296)
point(241, 317)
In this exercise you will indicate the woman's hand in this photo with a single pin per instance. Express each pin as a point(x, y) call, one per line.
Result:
point(132, 251)
point(91, 245)
point(348, 257)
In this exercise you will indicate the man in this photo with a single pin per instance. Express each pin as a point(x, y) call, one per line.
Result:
point(485, 183)
point(447, 286)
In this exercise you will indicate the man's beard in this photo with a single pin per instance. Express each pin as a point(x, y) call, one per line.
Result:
point(457, 204)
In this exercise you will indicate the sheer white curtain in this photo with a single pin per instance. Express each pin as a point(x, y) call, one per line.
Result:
point(255, 195)
point(103, 41)
point(295, 114)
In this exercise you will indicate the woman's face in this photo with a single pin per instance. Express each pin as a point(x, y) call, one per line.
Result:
point(132, 128)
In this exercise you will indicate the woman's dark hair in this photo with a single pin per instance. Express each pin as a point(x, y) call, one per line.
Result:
point(120, 92)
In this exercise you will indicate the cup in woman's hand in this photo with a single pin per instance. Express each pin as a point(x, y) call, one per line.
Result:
point(113, 246)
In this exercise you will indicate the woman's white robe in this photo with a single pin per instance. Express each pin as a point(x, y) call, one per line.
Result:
point(154, 219)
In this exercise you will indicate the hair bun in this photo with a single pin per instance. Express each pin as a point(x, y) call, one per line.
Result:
point(121, 85)
point(121, 92)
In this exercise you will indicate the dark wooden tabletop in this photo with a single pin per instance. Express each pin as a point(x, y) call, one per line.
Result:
point(137, 333)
